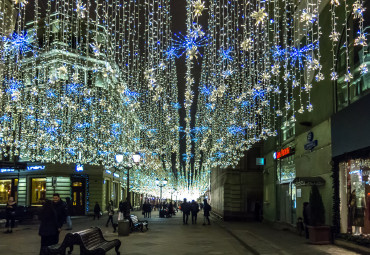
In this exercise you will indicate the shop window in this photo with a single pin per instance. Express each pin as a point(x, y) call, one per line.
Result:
point(77, 184)
point(38, 191)
point(357, 178)
point(286, 169)
point(5, 190)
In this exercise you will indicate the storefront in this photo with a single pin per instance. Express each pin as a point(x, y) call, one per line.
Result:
point(354, 183)
point(286, 173)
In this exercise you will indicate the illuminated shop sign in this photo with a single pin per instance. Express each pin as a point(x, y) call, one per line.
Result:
point(260, 161)
point(116, 175)
point(6, 170)
point(108, 172)
point(283, 152)
point(34, 168)
point(79, 168)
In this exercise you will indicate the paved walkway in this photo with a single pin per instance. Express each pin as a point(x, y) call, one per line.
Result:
point(170, 236)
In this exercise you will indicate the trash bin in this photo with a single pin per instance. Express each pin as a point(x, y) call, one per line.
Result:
point(123, 227)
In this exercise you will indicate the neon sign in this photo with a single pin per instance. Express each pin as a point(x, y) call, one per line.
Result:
point(79, 168)
point(283, 152)
point(32, 168)
point(6, 170)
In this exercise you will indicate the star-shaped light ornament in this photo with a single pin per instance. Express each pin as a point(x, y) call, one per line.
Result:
point(197, 32)
point(192, 52)
point(358, 10)
point(334, 76)
point(259, 16)
point(363, 68)
point(247, 44)
point(95, 48)
point(198, 8)
point(335, 2)
point(81, 9)
point(319, 77)
point(62, 70)
point(22, 2)
point(334, 36)
point(307, 16)
point(75, 77)
point(361, 40)
point(348, 76)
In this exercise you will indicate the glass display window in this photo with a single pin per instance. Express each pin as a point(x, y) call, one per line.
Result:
point(357, 177)
point(38, 191)
point(5, 190)
point(286, 169)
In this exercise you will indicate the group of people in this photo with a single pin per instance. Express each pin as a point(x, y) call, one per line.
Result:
point(194, 208)
point(147, 210)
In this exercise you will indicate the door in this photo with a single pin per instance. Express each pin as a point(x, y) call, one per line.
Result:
point(78, 196)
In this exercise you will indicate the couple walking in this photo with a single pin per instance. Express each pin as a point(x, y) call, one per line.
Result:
point(193, 207)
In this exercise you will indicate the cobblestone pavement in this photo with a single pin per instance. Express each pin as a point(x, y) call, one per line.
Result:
point(170, 236)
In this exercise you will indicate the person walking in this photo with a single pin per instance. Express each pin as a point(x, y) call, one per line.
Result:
point(69, 213)
point(185, 208)
point(49, 228)
point(61, 211)
point(11, 205)
point(97, 210)
point(194, 212)
point(206, 209)
point(306, 218)
point(110, 210)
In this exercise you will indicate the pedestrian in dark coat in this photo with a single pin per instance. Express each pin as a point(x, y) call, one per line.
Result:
point(69, 211)
point(306, 217)
point(110, 210)
point(11, 205)
point(61, 211)
point(185, 208)
point(49, 227)
point(194, 212)
point(206, 208)
point(97, 210)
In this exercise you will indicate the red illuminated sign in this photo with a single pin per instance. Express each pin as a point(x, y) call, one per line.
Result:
point(282, 153)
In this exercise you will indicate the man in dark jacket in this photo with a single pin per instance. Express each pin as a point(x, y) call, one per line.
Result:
point(185, 208)
point(61, 211)
point(207, 208)
point(194, 212)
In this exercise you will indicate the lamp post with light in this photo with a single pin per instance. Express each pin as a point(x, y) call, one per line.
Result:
point(136, 159)
point(161, 184)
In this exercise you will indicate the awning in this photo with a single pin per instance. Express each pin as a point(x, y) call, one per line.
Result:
point(308, 181)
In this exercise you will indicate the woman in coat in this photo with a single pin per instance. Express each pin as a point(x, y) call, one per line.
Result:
point(10, 214)
point(48, 230)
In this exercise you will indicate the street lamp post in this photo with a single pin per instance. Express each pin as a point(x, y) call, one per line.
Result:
point(160, 184)
point(136, 158)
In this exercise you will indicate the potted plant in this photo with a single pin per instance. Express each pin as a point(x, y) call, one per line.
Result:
point(319, 233)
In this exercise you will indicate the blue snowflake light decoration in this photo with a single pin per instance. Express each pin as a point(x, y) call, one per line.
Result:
point(17, 44)
point(183, 43)
point(226, 54)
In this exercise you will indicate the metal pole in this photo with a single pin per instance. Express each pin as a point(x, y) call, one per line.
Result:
point(160, 199)
point(128, 186)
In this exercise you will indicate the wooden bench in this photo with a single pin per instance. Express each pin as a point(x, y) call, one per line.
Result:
point(91, 241)
point(138, 224)
point(61, 248)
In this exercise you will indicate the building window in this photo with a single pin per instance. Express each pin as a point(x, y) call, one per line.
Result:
point(5, 190)
point(38, 191)
point(349, 92)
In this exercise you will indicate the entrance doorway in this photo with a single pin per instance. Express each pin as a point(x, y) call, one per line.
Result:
point(78, 195)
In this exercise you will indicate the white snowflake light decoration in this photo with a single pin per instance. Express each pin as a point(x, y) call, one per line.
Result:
point(247, 45)
point(198, 8)
point(334, 36)
point(308, 17)
point(81, 9)
point(361, 40)
point(259, 16)
point(95, 48)
point(363, 68)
